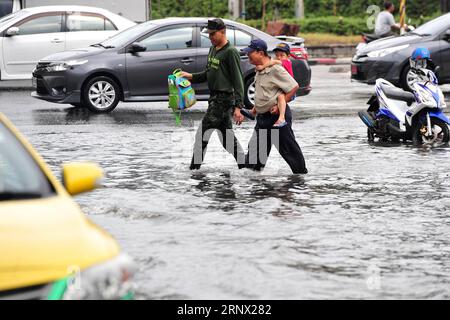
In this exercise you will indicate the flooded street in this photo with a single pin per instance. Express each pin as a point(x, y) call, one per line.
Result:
point(368, 221)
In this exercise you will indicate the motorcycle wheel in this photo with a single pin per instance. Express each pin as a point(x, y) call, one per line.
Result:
point(440, 133)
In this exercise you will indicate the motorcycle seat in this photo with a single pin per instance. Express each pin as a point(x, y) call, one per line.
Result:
point(398, 94)
point(371, 36)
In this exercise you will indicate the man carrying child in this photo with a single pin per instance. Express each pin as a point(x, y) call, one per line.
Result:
point(282, 52)
point(274, 87)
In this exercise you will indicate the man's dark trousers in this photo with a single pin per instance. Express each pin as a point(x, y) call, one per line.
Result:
point(264, 136)
point(217, 117)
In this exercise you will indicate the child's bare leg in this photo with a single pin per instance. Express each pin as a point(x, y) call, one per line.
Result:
point(253, 111)
point(281, 108)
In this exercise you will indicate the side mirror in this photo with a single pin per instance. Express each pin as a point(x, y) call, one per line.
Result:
point(13, 31)
point(437, 70)
point(243, 55)
point(136, 47)
point(447, 35)
point(81, 177)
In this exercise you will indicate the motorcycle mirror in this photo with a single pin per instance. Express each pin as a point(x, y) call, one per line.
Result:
point(437, 72)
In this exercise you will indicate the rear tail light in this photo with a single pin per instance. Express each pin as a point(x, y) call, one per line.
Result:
point(299, 53)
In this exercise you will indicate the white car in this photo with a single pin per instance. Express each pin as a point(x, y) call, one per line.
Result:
point(29, 35)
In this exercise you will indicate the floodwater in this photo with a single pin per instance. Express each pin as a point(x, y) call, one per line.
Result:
point(368, 221)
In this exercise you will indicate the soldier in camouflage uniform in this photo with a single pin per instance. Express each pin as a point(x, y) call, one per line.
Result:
point(224, 75)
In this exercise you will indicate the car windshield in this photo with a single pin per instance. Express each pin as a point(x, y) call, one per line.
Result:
point(20, 175)
point(434, 26)
point(12, 16)
point(123, 38)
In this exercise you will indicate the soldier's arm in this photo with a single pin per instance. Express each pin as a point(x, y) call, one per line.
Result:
point(234, 61)
point(200, 77)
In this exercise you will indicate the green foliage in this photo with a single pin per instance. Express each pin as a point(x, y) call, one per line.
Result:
point(335, 25)
point(191, 8)
point(414, 8)
point(351, 15)
point(284, 9)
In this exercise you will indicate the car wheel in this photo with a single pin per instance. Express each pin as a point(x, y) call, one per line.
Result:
point(101, 94)
point(249, 93)
point(408, 77)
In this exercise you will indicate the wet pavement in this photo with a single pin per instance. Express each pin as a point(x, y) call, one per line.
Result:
point(368, 221)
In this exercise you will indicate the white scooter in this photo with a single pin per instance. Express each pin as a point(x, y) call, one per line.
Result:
point(394, 114)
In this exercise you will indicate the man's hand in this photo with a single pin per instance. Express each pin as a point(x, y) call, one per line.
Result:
point(237, 116)
point(186, 75)
point(274, 110)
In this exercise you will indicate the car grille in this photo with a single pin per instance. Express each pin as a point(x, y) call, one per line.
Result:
point(40, 86)
point(28, 293)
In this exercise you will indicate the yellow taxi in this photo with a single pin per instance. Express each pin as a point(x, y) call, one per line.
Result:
point(48, 248)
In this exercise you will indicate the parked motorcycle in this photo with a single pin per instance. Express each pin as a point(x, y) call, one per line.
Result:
point(394, 114)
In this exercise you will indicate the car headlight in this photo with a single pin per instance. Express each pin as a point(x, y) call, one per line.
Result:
point(110, 280)
point(63, 66)
point(385, 52)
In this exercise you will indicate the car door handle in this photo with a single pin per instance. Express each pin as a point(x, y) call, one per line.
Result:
point(187, 60)
point(57, 41)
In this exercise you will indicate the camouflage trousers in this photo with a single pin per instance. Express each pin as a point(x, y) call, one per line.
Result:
point(218, 118)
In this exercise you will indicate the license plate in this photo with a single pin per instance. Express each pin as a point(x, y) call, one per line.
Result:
point(34, 82)
point(354, 69)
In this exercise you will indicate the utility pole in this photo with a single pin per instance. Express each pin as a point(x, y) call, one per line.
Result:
point(299, 9)
point(402, 16)
point(233, 9)
point(150, 9)
point(263, 16)
point(445, 6)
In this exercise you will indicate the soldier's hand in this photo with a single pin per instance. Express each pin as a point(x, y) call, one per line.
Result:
point(238, 117)
point(274, 110)
point(186, 75)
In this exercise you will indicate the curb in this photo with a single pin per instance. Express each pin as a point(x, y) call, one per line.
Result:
point(330, 61)
point(9, 85)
